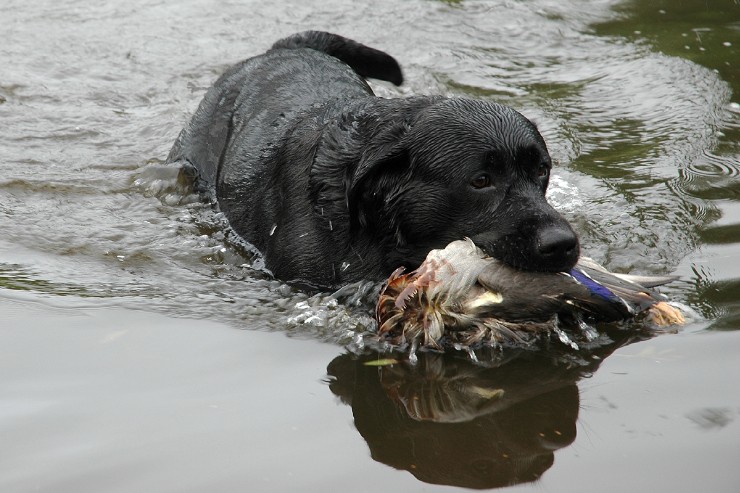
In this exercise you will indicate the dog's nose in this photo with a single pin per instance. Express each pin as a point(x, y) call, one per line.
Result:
point(558, 248)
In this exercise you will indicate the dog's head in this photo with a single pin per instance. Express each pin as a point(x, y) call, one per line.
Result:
point(464, 168)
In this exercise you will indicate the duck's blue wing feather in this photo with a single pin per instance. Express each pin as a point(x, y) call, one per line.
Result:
point(594, 287)
point(615, 290)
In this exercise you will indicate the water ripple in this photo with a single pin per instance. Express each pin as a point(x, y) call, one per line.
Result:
point(643, 141)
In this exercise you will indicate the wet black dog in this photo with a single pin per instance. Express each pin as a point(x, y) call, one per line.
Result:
point(332, 184)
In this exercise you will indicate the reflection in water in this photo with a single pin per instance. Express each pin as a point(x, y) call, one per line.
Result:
point(449, 421)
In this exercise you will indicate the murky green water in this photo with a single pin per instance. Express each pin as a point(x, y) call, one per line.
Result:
point(121, 366)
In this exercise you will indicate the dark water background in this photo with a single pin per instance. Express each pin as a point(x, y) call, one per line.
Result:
point(121, 364)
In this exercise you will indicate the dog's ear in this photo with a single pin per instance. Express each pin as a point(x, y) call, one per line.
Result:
point(377, 157)
point(379, 168)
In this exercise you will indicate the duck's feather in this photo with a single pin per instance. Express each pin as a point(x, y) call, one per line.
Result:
point(647, 281)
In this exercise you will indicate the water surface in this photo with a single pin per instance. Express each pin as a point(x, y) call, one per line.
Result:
point(142, 348)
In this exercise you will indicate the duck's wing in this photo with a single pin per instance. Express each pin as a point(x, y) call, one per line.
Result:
point(588, 288)
point(619, 288)
point(644, 281)
point(647, 281)
point(638, 297)
point(537, 296)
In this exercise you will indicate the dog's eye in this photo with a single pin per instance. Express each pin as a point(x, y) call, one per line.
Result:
point(481, 181)
point(543, 171)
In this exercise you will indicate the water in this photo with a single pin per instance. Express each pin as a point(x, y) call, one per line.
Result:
point(121, 363)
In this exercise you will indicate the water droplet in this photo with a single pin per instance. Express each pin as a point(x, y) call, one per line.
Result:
point(590, 333)
point(471, 354)
point(359, 341)
point(564, 338)
point(413, 359)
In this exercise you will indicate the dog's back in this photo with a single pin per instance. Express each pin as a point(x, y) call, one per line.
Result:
point(266, 91)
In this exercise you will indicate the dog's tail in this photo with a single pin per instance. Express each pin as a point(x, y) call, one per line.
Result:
point(366, 61)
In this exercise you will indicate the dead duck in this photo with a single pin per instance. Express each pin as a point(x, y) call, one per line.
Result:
point(460, 295)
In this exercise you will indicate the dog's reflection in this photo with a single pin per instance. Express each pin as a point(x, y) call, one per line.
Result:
point(449, 421)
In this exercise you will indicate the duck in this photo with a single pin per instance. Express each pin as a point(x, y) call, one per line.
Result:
point(461, 296)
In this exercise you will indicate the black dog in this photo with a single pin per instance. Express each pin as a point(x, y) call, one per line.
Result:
point(333, 185)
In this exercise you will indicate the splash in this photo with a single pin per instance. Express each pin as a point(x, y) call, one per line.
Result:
point(564, 338)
